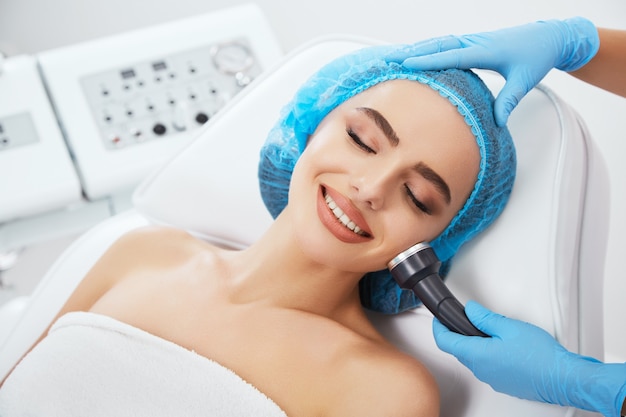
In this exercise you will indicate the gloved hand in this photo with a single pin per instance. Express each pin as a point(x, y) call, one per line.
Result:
point(522, 54)
point(522, 360)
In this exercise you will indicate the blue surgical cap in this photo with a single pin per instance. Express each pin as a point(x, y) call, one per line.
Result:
point(353, 73)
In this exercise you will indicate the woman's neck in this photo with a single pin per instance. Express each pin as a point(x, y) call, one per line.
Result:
point(276, 271)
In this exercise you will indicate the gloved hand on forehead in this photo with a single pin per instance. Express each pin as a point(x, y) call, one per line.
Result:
point(525, 361)
point(522, 54)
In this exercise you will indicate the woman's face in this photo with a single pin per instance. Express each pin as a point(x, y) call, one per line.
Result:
point(386, 169)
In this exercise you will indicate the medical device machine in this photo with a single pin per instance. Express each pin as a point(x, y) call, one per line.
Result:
point(82, 125)
point(129, 102)
point(417, 269)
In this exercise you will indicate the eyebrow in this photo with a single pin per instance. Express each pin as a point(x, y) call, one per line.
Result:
point(430, 175)
point(382, 124)
point(421, 168)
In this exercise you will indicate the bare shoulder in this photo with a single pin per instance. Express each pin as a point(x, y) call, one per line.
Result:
point(394, 384)
point(158, 244)
point(153, 236)
point(135, 249)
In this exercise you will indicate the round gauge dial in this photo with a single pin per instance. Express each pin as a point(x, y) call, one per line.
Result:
point(232, 58)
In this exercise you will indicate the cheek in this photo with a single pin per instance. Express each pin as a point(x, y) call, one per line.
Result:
point(299, 177)
point(319, 142)
point(404, 230)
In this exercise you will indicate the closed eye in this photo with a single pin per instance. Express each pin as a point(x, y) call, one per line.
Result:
point(355, 138)
point(421, 206)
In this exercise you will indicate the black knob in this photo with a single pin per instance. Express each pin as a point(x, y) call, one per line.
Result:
point(202, 118)
point(159, 129)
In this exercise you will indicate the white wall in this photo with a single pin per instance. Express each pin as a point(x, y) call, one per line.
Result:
point(31, 26)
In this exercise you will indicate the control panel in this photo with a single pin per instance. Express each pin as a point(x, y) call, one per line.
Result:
point(160, 97)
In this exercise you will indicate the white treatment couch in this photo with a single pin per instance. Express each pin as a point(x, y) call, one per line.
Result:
point(542, 261)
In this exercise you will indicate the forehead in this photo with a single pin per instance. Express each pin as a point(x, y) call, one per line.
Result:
point(414, 107)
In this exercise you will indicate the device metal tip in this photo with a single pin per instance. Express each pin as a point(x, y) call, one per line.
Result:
point(406, 254)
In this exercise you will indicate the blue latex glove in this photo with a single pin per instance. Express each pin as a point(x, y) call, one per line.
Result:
point(522, 360)
point(522, 54)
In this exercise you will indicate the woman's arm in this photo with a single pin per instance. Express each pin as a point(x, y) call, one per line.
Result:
point(386, 384)
point(607, 69)
point(105, 273)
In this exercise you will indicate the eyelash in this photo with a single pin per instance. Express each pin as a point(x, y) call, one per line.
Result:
point(355, 138)
point(421, 206)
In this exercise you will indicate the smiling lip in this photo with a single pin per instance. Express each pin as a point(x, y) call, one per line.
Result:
point(334, 225)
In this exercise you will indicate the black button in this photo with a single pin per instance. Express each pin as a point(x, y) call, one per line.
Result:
point(159, 129)
point(202, 118)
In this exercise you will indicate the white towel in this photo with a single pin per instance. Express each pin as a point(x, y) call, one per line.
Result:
point(94, 365)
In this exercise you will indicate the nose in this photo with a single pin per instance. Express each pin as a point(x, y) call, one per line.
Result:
point(372, 188)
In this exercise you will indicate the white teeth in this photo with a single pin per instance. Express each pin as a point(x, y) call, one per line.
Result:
point(342, 217)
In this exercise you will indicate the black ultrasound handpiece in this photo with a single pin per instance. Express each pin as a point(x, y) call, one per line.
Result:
point(417, 269)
